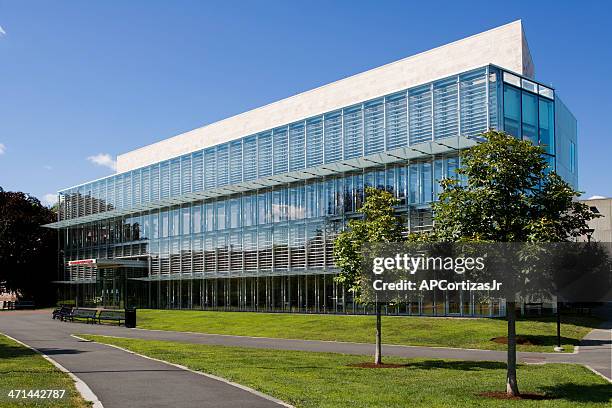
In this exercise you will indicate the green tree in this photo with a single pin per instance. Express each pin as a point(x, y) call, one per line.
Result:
point(509, 196)
point(379, 224)
point(28, 252)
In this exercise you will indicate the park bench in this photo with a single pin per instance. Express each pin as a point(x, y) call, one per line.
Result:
point(534, 308)
point(61, 312)
point(88, 314)
point(111, 316)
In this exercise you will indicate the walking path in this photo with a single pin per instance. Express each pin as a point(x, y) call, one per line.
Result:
point(121, 379)
point(109, 372)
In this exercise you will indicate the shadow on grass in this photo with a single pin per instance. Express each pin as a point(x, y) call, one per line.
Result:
point(456, 365)
point(549, 341)
point(9, 351)
point(443, 365)
point(580, 393)
point(592, 322)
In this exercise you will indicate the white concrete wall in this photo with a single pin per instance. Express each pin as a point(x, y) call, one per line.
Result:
point(603, 224)
point(504, 46)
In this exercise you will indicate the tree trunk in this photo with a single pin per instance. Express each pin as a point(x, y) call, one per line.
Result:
point(511, 383)
point(378, 354)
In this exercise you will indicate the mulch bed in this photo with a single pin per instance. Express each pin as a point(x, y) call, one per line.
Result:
point(504, 396)
point(382, 365)
point(519, 340)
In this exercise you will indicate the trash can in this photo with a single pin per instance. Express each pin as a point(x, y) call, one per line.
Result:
point(130, 318)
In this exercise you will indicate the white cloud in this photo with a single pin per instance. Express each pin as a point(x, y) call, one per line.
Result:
point(47, 167)
point(2, 148)
point(49, 199)
point(2, 32)
point(596, 197)
point(103, 159)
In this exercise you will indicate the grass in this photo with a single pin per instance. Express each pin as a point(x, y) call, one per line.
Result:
point(406, 330)
point(307, 379)
point(24, 369)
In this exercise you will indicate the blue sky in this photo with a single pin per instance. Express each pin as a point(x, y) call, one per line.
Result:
point(81, 82)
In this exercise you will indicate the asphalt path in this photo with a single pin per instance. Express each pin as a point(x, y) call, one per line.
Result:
point(119, 378)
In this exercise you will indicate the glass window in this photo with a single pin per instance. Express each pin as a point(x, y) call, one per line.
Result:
point(249, 210)
point(512, 110)
point(452, 164)
point(390, 181)
point(223, 164)
point(296, 202)
point(550, 161)
point(264, 154)
point(297, 154)
point(419, 107)
point(235, 164)
point(401, 184)
point(396, 121)
point(210, 168)
point(374, 137)
point(234, 218)
point(221, 218)
point(311, 200)
point(358, 190)
point(263, 211)
point(155, 225)
point(528, 85)
point(209, 209)
point(530, 117)
point(280, 151)
point(353, 135)
point(512, 79)
point(250, 158)
point(547, 92)
point(426, 182)
point(438, 176)
point(186, 221)
point(572, 157)
point(164, 224)
point(196, 218)
point(445, 108)
point(413, 184)
point(547, 125)
point(332, 142)
point(197, 171)
point(314, 142)
point(174, 223)
point(330, 197)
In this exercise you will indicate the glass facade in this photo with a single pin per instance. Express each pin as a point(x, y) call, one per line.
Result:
point(249, 224)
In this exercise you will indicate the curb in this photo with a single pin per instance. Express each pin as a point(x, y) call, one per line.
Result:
point(83, 389)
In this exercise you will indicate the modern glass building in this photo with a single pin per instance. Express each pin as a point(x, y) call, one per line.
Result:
point(242, 214)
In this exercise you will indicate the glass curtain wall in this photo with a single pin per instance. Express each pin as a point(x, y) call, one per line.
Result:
point(270, 247)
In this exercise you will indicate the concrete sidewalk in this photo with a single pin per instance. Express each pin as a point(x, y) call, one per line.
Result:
point(120, 379)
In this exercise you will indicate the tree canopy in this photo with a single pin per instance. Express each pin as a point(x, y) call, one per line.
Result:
point(509, 195)
point(28, 252)
point(379, 224)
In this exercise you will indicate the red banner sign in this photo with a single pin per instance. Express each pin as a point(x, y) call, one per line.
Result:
point(82, 262)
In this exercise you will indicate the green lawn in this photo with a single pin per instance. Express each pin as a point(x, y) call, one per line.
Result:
point(416, 331)
point(23, 369)
point(307, 379)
